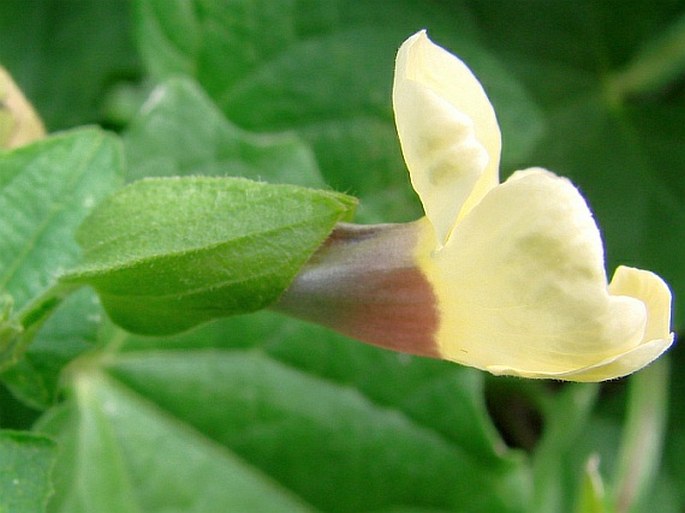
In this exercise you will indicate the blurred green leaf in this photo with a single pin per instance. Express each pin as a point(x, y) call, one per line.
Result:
point(232, 246)
point(123, 454)
point(46, 190)
point(181, 132)
point(26, 462)
point(324, 69)
point(292, 435)
point(172, 34)
point(68, 332)
point(66, 55)
point(15, 414)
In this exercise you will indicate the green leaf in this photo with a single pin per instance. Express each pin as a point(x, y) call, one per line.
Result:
point(229, 246)
point(121, 454)
point(239, 425)
point(26, 462)
point(323, 69)
point(46, 190)
point(433, 393)
point(66, 55)
point(181, 132)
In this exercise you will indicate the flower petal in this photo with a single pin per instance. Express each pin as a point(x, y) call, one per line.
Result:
point(522, 289)
point(448, 131)
point(652, 291)
point(19, 123)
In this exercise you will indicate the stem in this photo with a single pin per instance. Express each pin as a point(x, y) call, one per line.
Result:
point(565, 418)
point(592, 497)
point(658, 64)
point(18, 329)
point(643, 436)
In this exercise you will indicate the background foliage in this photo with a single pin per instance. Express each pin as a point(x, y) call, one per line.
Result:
point(260, 413)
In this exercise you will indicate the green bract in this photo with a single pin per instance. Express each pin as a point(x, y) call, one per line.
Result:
point(166, 254)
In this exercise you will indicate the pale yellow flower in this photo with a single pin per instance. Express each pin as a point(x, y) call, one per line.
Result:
point(508, 277)
point(19, 123)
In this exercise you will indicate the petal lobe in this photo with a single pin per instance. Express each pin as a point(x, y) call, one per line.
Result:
point(448, 131)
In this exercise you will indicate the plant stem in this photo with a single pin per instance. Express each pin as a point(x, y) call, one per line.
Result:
point(643, 437)
point(656, 65)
